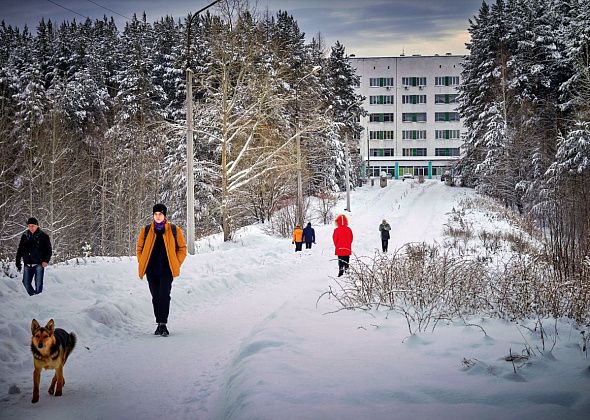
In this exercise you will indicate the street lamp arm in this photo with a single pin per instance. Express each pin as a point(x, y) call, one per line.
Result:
point(206, 7)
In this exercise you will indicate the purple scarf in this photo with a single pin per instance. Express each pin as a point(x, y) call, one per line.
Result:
point(160, 226)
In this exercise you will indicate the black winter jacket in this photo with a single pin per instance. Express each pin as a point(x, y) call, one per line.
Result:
point(384, 228)
point(309, 233)
point(34, 248)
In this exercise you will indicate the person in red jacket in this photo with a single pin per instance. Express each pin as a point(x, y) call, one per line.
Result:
point(342, 237)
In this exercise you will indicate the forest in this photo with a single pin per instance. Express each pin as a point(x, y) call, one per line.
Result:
point(525, 105)
point(93, 125)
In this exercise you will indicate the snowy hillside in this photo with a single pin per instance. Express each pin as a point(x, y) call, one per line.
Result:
point(249, 338)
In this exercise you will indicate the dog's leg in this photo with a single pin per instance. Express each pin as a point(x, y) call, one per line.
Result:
point(36, 380)
point(59, 372)
point(52, 386)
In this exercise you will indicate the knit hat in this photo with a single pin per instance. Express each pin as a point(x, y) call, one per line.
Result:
point(161, 208)
point(32, 221)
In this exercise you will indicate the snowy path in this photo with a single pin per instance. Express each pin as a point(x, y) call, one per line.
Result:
point(247, 340)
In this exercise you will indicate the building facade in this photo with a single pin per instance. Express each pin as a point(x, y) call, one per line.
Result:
point(412, 125)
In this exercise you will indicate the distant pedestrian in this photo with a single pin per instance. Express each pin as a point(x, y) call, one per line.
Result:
point(297, 238)
point(308, 236)
point(34, 249)
point(342, 237)
point(161, 250)
point(384, 228)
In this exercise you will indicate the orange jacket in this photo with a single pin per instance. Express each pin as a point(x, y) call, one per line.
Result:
point(297, 234)
point(175, 256)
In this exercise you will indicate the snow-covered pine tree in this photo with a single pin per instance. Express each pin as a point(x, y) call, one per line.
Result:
point(346, 111)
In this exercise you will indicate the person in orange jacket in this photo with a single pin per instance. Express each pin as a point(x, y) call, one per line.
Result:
point(161, 250)
point(297, 238)
point(342, 238)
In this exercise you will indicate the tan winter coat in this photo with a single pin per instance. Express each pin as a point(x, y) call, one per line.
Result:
point(176, 255)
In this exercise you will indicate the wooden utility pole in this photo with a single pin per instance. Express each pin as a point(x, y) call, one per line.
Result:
point(190, 159)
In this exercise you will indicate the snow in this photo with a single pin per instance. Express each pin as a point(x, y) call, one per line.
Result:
point(249, 338)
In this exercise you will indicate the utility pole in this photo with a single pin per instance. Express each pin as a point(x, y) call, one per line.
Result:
point(347, 169)
point(190, 159)
point(299, 204)
point(190, 177)
point(299, 201)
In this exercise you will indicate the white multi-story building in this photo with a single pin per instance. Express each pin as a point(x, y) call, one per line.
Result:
point(412, 124)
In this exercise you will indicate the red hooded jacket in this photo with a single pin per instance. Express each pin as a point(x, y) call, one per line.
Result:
point(342, 237)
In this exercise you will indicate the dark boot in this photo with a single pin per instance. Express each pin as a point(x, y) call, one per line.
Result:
point(165, 332)
point(158, 330)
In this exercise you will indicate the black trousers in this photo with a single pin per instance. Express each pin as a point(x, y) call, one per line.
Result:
point(298, 246)
point(343, 264)
point(160, 287)
point(384, 244)
point(308, 245)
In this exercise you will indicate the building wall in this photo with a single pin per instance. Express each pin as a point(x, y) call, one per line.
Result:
point(427, 69)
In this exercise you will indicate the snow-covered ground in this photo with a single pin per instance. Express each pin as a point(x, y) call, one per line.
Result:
point(249, 339)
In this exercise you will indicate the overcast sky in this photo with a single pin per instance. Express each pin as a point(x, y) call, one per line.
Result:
point(365, 27)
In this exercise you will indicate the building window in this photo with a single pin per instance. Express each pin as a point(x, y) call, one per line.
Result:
point(414, 117)
point(381, 100)
point(414, 135)
point(413, 99)
point(446, 80)
point(446, 99)
point(447, 134)
point(381, 82)
point(414, 81)
point(381, 152)
point(381, 135)
point(446, 151)
point(376, 170)
point(446, 116)
point(414, 152)
point(383, 117)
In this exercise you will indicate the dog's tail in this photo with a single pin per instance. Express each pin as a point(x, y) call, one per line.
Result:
point(72, 339)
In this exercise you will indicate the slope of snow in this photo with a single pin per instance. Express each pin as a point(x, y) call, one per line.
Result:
point(249, 338)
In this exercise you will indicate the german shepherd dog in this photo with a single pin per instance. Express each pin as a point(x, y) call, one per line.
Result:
point(50, 347)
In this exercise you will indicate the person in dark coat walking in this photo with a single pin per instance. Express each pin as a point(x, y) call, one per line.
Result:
point(308, 236)
point(35, 250)
point(161, 250)
point(342, 238)
point(384, 228)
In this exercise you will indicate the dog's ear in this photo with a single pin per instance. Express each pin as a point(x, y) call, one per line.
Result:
point(34, 326)
point(50, 327)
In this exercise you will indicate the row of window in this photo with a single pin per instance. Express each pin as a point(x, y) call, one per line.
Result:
point(413, 99)
point(438, 117)
point(416, 151)
point(413, 81)
point(415, 134)
point(375, 171)
point(414, 117)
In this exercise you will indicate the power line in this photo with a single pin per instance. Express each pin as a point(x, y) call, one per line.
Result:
point(70, 10)
point(110, 10)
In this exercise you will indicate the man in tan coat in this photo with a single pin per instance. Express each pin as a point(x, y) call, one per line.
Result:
point(161, 250)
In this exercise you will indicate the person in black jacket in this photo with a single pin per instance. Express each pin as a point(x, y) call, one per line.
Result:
point(308, 236)
point(384, 228)
point(34, 249)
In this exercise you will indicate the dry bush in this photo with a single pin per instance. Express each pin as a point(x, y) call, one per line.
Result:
point(418, 281)
point(325, 206)
point(426, 284)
